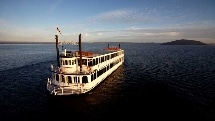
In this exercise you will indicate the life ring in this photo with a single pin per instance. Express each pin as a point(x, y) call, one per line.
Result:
point(89, 68)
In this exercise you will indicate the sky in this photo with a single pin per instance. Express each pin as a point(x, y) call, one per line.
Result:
point(107, 20)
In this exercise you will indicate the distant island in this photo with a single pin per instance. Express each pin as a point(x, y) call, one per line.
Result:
point(184, 42)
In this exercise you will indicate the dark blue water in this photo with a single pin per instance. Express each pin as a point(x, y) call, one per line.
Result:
point(156, 82)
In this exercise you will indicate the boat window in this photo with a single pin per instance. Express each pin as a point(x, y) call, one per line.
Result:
point(69, 79)
point(73, 62)
point(62, 78)
point(111, 55)
point(57, 77)
point(79, 62)
point(102, 59)
point(104, 70)
point(99, 73)
point(111, 65)
point(66, 63)
point(105, 58)
point(97, 61)
point(78, 79)
point(75, 79)
point(92, 77)
point(84, 79)
point(69, 62)
point(90, 63)
point(94, 62)
point(84, 61)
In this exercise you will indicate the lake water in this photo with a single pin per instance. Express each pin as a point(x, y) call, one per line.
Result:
point(156, 82)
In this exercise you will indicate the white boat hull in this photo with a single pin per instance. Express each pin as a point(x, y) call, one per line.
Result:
point(78, 72)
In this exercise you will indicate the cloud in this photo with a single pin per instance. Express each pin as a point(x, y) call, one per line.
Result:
point(131, 25)
point(162, 34)
point(54, 6)
point(100, 34)
point(124, 16)
point(138, 34)
point(10, 32)
point(143, 24)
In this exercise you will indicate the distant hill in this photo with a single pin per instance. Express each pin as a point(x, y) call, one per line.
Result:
point(184, 42)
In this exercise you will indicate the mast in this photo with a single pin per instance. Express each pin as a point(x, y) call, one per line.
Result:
point(57, 49)
point(80, 52)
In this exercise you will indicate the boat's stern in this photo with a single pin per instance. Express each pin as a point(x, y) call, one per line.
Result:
point(58, 89)
point(51, 87)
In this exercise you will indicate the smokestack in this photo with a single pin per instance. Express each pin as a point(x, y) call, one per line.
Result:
point(57, 49)
point(80, 53)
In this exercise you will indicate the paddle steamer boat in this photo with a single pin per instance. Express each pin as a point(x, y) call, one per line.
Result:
point(78, 72)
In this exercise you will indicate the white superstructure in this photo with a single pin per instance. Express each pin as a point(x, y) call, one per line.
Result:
point(79, 73)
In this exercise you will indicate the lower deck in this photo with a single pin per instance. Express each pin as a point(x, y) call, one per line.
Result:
point(66, 84)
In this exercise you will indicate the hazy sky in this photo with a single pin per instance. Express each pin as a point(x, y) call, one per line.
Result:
point(108, 20)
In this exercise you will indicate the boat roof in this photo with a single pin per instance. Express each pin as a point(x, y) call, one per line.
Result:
point(107, 50)
point(92, 53)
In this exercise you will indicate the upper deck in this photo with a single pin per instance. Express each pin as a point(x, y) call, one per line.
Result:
point(89, 54)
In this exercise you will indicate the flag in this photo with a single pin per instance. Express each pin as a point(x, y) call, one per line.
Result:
point(58, 30)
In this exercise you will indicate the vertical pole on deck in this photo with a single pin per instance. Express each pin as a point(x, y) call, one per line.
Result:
point(80, 53)
point(57, 49)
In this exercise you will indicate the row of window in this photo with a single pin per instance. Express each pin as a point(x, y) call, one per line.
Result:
point(84, 79)
point(105, 69)
point(92, 62)
point(71, 79)
point(68, 62)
